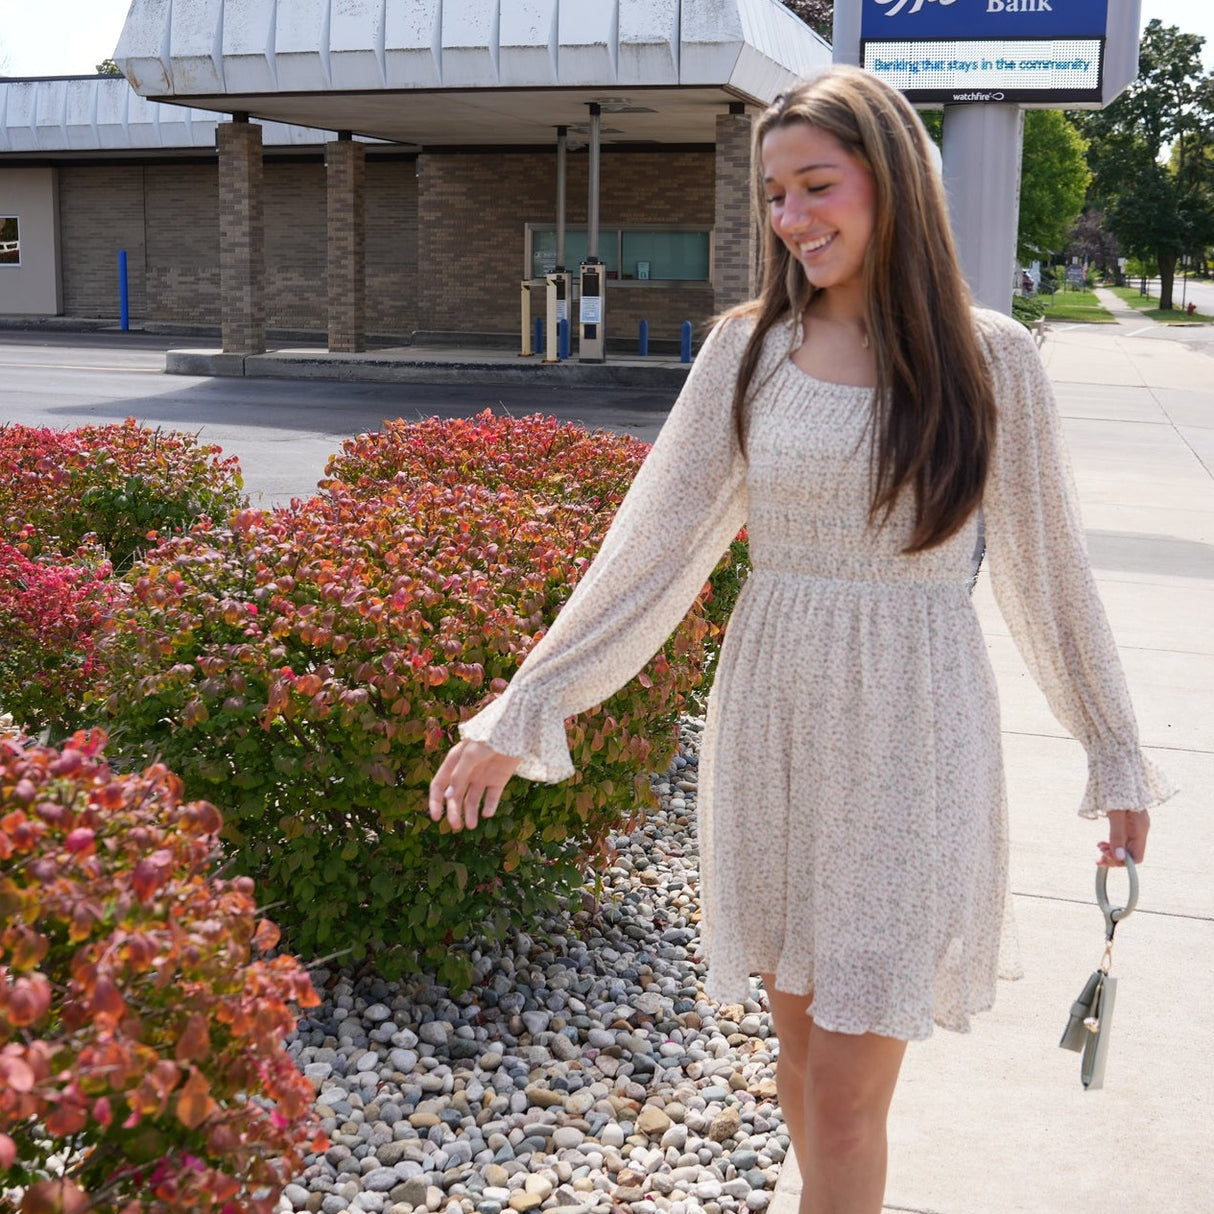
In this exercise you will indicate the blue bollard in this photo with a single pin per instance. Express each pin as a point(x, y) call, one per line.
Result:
point(562, 338)
point(537, 344)
point(685, 352)
point(643, 339)
point(124, 295)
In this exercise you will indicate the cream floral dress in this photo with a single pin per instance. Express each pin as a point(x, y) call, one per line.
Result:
point(852, 816)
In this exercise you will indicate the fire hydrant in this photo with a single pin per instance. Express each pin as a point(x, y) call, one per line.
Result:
point(1191, 308)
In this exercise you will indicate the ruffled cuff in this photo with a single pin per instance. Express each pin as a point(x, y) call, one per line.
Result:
point(1122, 779)
point(526, 728)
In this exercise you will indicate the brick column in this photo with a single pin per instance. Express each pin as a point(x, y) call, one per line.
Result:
point(242, 270)
point(735, 245)
point(346, 192)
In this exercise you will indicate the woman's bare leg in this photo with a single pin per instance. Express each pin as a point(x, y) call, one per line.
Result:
point(835, 1092)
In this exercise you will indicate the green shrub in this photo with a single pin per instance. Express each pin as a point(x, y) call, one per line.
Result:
point(1027, 308)
point(307, 668)
point(124, 484)
point(142, 1067)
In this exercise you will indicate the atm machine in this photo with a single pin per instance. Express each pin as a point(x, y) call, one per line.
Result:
point(592, 333)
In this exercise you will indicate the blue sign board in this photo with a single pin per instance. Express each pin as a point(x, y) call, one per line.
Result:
point(1045, 52)
point(903, 19)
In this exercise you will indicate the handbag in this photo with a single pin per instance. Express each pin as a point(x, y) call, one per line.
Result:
point(1088, 1026)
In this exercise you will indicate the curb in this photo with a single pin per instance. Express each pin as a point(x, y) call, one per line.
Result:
point(370, 368)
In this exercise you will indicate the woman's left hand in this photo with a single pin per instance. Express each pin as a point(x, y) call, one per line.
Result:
point(1127, 833)
point(469, 784)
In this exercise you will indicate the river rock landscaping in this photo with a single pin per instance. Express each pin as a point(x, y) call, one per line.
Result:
point(584, 1070)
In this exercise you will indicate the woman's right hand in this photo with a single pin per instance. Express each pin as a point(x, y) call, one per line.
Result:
point(469, 784)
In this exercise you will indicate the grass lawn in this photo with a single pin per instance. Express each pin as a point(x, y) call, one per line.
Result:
point(1148, 306)
point(1078, 306)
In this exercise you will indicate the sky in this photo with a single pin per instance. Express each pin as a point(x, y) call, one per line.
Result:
point(70, 37)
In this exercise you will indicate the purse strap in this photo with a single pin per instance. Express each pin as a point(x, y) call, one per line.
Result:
point(1113, 915)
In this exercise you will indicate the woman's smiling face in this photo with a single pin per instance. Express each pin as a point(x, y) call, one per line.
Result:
point(821, 201)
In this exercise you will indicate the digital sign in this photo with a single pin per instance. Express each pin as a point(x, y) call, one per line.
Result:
point(956, 51)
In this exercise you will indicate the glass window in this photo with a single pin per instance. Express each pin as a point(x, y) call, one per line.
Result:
point(543, 249)
point(662, 254)
point(10, 241)
point(670, 255)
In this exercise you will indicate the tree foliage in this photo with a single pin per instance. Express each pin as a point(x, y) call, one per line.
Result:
point(1092, 242)
point(1159, 211)
point(819, 15)
point(1054, 180)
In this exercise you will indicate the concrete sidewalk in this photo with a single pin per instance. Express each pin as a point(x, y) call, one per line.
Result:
point(996, 1121)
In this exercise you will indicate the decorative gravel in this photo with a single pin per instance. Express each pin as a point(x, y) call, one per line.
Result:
point(583, 1071)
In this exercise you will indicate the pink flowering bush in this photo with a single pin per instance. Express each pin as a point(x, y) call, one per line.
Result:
point(50, 612)
point(306, 669)
point(123, 484)
point(142, 1025)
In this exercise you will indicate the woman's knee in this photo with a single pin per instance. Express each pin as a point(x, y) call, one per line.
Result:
point(852, 1080)
point(790, 1016)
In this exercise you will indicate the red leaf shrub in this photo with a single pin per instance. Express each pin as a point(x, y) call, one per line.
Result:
point(307, 668)
point(533, 455)
point(139, 1037)
point(120, 483)
point(49, 617)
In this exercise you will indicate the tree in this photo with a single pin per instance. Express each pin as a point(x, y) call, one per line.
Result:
point(819, 15)
point(107, 67)
point(1054, 179)
point(1092, 242)
point(1159, 212)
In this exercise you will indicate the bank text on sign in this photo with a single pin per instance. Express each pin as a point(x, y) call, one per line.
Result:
point(942, 51)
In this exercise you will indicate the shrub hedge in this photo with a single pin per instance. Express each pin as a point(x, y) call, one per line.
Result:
point(50, 612)
point(534, 455)
point(119, 483)
point(307, 668)
point(142, 1067)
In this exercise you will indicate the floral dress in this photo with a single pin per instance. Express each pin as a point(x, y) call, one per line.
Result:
point(852, 813)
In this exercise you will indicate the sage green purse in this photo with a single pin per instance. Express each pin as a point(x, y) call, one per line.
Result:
point(1088, 1028)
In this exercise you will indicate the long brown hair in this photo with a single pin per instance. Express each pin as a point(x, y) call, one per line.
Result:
point(934, 420)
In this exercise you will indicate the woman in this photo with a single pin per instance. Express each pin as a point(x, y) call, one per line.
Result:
point(853, 835)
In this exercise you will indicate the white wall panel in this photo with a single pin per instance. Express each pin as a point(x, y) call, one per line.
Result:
point(778, 50)
point(50, 115)
point(527, 39)
point(711, 40)
point(143, 47)
point(356, 43)
point(195, 46)
point(80, 114)
point(470, 43)
point(19, 117)
point(143, 123)
point(33, 287)
point(112, 101)
point(248, 45)
point(589, 35)
point(301, 45)
point(413, 44)
point(649, 42)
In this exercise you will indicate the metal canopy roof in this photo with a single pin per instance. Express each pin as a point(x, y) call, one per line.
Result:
point(450, 72)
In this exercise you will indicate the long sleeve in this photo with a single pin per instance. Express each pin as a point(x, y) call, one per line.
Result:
point(685, 505)
point(1043, 582)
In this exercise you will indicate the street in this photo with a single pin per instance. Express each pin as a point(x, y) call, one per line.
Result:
point(1198, 291)
point(283, 431)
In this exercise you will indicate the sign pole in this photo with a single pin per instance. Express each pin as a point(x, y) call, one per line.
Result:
point(982, 176)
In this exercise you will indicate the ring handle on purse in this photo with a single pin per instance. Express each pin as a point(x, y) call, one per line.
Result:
point(1114, 915)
